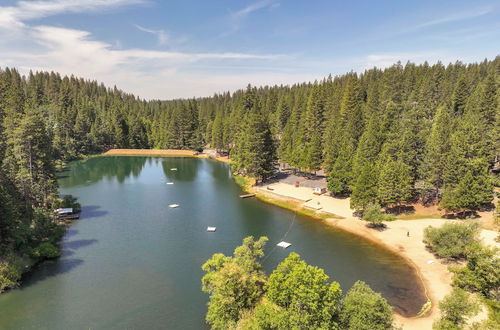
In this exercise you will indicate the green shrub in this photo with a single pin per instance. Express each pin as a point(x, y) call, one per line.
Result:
point(456, 308)
point(10, 273)
point(452, 239)
point(46, 250)
point(375, 216)
point(482, 272)
point(365, 309)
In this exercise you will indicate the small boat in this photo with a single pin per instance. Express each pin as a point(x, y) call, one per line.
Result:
point(211, 228)
point(284, 244)
point(173, 206)
point(170, 183)
point(173, 169)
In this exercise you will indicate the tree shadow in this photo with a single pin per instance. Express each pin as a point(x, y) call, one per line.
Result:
point(377, 226)
point(79, 243)
point(400, 209)
point(70, 233)
point(92, 211)
point(47, 269)
point(461, 215)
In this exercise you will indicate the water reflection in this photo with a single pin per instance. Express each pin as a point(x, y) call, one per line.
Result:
point(95, 169)
point(187, 169)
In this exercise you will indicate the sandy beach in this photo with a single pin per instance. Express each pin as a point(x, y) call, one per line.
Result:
point(432, 271)
point(149, 152)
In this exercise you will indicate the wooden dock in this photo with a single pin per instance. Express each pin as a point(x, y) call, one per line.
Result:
point(247, 195)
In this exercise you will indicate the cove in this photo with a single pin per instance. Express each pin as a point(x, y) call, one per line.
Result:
point(132, 262)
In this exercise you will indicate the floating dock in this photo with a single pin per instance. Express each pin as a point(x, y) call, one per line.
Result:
point(284, 244)
point(173, 206)
point(247, 195)
point(211, 228)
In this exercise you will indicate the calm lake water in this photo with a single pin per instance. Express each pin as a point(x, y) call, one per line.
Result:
point(131, 262)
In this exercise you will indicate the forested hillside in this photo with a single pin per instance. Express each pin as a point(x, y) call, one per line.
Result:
point(384, 136)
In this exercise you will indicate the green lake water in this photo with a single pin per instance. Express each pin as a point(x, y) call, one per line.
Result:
point(131, 262)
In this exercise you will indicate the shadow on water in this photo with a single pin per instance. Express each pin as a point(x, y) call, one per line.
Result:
point(92, 211)
point(79, 243)
point(48, 269)
point(54, 267)
point(70, 233)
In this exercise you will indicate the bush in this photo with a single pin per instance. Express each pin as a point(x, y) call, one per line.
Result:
point(46, 250)
point(455, 309)
point(365, 309)
point(10, 273)
point(375, 216)
point(452, 239)
point(482, 272)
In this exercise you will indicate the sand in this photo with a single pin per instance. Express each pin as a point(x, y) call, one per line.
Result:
point(433, 272)
point(148, 152)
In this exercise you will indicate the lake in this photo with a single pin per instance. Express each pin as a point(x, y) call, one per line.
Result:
point(131, 262)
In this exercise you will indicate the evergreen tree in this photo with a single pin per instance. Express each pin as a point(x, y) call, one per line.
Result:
point(438, 147)
point(394, 185)
point(473, 190)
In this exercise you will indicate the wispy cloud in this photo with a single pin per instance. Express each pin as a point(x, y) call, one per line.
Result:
point(161, 35)
point(15, 16)
point(72, 51)
point(456, 17)
point(242, 13)
point(239, 16)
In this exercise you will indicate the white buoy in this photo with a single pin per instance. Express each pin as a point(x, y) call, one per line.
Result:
point(170, 183)
point(283, 244)
point(173, 169)
point(211, 228)
point(173, 206)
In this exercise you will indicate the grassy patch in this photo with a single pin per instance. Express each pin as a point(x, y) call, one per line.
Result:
point(494, 310)
point(418, 216)
point(244, 182)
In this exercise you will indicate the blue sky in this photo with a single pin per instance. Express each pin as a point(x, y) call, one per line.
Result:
point(170, 49)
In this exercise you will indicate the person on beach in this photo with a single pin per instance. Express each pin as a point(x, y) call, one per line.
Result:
point(408, 234)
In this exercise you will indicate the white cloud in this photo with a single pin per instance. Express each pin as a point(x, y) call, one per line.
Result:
point(254, 7)
point(162, 35)
point(15, 16)
point(456, 17)
point(239, 16)
point(149, 73)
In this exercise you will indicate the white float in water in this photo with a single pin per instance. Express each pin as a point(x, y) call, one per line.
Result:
point(170, 183)
point(211, 228)
point(173, 169)
point(173, 206)
point(284, 244)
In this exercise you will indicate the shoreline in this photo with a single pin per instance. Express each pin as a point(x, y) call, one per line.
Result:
point(356, 227)
point(433, 272)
